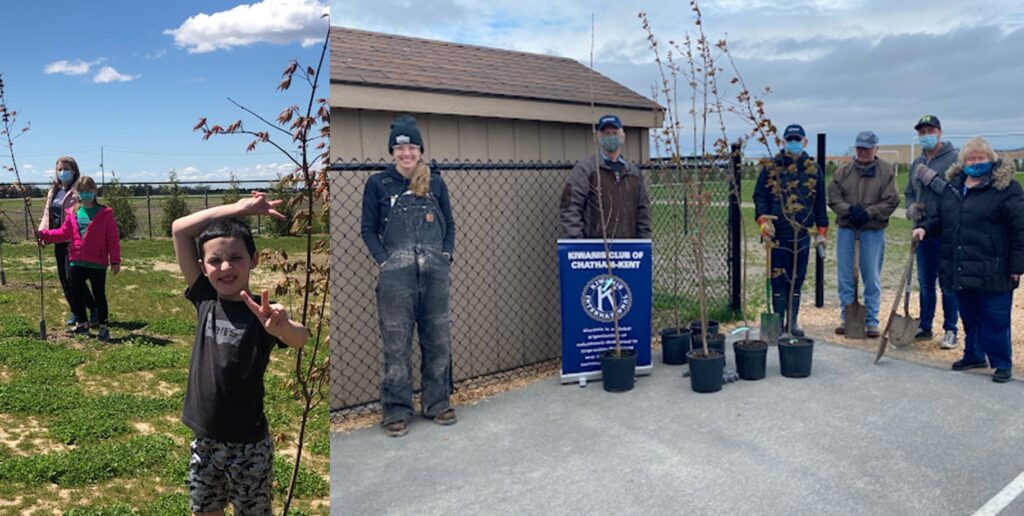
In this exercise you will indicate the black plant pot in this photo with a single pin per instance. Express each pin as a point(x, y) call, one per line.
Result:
point(706, 371)
point(716, 342)
point(795, 356)
point(695, 328)
point(751, 358)
point(675, 344)
point(618, 373)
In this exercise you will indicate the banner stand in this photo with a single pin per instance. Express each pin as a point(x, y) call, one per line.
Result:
point(588, 296)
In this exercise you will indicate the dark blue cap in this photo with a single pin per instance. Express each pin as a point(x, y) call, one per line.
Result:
point(608, 120)
point(794, 130)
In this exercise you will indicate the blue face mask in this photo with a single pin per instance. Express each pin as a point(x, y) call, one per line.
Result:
point(66, 176)
point(794, 147)
point(87, 196)
point(929, 141)
point(979, 169)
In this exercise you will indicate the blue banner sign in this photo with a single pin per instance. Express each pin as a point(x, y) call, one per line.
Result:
point(591, 298)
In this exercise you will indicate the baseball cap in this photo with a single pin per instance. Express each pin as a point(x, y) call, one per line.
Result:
point(866, 140)
point(793, 130)
point(608, 120)
point(926, 120)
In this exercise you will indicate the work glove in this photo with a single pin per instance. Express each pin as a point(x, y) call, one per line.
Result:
point(925, 174)
point(858, 216)
point(767, 228)
point(916, 212)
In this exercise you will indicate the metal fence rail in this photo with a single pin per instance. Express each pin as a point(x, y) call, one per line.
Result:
point(18, 219)
point(505, 295)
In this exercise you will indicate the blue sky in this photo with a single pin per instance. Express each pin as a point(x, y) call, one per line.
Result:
point(134, 77)
point(836, 66)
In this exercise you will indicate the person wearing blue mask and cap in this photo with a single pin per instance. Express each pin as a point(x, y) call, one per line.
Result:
point(63, 195)
point(623, 191)
point(790, 165)
point(863, 195)
point(978, 221)
point(927, 182)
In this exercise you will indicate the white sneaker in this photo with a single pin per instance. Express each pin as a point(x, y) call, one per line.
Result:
point(949, 340)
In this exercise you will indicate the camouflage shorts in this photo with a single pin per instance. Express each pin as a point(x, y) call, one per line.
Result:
point(239, 473)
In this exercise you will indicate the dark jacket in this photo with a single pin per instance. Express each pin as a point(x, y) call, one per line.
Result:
point(380, 188)
point(624, 198)
point(930, 194)
point(982, 232)
point(805, 171)
point(871, 186)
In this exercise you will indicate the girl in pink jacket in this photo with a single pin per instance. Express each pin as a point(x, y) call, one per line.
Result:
point(94, 243)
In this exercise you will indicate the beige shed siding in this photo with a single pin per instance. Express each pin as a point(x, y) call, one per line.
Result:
point(362, 135)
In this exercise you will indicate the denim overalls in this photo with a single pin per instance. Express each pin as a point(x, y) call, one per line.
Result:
point(413, 289)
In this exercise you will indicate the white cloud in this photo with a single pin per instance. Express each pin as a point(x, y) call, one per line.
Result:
point(70, 67)
point(270, 21)
point(109, 74)
point(156, 55)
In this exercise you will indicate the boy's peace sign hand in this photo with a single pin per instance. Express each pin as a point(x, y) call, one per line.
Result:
point(258, 204)
point(272, 316)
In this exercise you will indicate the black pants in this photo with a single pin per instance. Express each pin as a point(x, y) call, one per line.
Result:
point(60, 253)
point(98, 281)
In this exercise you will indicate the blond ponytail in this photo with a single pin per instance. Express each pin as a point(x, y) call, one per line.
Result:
point(419, 184)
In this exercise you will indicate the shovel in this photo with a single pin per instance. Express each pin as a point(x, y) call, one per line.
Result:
point(905, 327)
point(900, 329)
point(856, 313)
point(771, 324)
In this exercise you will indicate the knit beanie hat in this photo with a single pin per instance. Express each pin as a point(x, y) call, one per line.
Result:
point(404, 130)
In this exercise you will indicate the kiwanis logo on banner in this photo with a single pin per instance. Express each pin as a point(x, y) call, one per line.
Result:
point(591, 299)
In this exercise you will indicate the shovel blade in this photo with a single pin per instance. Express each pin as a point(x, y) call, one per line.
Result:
point(771, 328)
point(856, 320)
point(903, 330)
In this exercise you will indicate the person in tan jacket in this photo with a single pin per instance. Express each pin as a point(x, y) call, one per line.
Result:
point(63, 195)
point(863, 195)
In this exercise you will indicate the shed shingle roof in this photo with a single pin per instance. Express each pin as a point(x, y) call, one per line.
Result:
point(386, 60)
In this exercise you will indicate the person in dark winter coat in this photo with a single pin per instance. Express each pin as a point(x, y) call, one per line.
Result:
point(791, 167)
point(408, 228)
point(623, 192)
point(927, 182)
point(979, 220)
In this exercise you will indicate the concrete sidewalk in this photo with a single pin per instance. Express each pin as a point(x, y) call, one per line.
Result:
point(854, 438)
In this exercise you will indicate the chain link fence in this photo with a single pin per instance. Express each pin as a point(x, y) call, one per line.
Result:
point(505, 300)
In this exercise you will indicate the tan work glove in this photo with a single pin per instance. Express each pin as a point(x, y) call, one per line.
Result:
point(766, 225)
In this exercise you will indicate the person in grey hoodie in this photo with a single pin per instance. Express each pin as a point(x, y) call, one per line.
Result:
point(924, 190)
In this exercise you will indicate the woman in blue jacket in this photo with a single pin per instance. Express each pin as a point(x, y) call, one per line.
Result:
point(408, 228)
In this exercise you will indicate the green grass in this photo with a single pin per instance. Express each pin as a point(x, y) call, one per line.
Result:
point(132, 357)
point(102, 417)
point(89, 465)
point(99, 422)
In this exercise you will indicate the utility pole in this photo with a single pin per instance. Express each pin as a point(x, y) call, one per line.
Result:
point(103, 173)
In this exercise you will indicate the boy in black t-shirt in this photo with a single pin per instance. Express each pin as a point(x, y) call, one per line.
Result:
point(232, 454)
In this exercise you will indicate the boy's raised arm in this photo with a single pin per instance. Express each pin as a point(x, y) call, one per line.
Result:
point(185, 230)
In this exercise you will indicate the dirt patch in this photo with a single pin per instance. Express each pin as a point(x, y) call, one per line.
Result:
point(143, 428)
point(22, 436)
point(166, 267)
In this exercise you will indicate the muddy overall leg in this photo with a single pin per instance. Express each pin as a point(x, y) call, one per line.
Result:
point(396, 299)
point(434, 322)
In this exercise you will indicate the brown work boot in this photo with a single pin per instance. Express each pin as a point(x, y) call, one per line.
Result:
point(397, 428)
point(872, 332)
point(446, 418)
point(841, 329)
